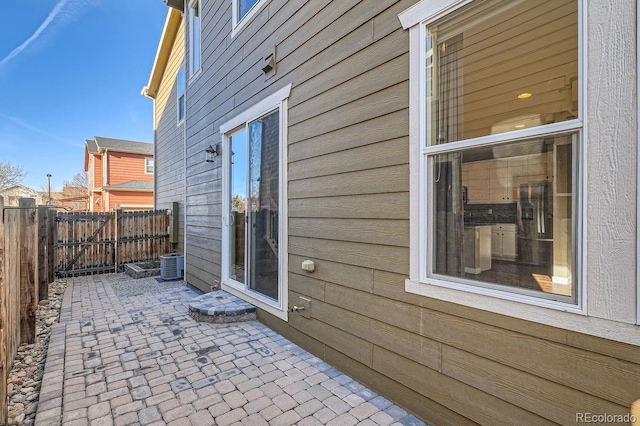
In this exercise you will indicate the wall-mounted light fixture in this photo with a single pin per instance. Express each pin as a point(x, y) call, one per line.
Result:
point(212, 152)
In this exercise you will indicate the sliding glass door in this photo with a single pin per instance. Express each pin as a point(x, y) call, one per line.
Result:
point(255, 206)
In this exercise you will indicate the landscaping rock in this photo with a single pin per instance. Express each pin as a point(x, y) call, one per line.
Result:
point(25, 378)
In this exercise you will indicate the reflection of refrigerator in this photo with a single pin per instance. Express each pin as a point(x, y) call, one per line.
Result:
point(535, 224)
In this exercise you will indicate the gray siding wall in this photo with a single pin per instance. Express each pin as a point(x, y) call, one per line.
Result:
point(349, 211)
point(169, 141)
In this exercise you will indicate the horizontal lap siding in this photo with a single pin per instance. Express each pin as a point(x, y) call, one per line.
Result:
point(169, 140)
point(124, 199)
point(124, 167)
point(98, 171)
point(348, 210)
point(348, 190)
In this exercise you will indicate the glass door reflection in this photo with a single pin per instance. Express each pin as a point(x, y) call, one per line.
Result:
point(255, 205)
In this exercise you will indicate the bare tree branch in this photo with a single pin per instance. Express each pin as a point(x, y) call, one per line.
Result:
point(10, 175)
point(44, 187)
point(79, 180)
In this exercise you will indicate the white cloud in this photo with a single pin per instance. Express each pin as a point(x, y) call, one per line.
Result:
point(50, 18)
point(39, 131)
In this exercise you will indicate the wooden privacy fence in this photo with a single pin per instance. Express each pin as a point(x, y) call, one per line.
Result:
point(26, 245)
point(90, 243)
point(37, 242)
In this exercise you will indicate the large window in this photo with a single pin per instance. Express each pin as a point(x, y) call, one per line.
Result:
point(500, 141)
point(194, 37)
point(254, 238)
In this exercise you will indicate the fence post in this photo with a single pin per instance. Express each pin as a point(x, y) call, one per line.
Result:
point(28, 286)
point(42, 245)
point(116, 241)
point(10, 308)
point(52, 245)
point(3, 321)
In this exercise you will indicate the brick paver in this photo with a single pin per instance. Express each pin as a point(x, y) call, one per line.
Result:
point(143, 360)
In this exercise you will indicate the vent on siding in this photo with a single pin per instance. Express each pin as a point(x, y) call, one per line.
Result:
point(171, 266)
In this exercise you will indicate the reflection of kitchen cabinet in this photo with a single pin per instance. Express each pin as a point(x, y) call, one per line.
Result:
point(475, 176)
point(497, 181)
point(500, 182)
point(503, 241)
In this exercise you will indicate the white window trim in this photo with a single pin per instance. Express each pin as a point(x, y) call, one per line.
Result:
point(239, 24)
point(426, 240)
point(560, 315)
point(146, 166)
point(193, 73)
point(277, 100)
point(179, 120)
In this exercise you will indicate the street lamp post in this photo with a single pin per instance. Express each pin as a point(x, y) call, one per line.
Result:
point(49, 178)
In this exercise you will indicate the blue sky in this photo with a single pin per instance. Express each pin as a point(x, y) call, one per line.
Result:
point(71, 70)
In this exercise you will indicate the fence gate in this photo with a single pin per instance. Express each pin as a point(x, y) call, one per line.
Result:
point(86, 243)
point(96, 243)
point(141, 235)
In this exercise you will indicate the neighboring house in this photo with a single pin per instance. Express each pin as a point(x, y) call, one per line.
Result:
point(119, 174)
point(71, 198)
point(462, 174)
point(12, 195)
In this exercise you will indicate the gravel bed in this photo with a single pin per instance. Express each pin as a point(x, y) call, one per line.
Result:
point(25, 378)
point(124, 285)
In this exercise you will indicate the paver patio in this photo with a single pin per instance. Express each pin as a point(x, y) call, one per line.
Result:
point(141, 359)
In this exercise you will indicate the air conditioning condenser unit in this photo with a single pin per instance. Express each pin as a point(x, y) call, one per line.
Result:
point(172, 266)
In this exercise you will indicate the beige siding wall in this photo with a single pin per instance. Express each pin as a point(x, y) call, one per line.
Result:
point(348, 211)
point(169, 140)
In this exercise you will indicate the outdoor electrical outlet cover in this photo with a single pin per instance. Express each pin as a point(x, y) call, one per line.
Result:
point(308, 265)
point(304, 303)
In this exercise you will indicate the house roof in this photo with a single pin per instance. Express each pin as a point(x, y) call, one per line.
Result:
point(100, 143)
point(132, 185)
point(16, 187)
point(171, 25)
point(92, 146)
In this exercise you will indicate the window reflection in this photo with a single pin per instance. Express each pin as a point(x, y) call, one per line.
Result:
point(503, 214)
point(238, 144)
point(244, 6)
point(502, 66)
point(255, 205)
